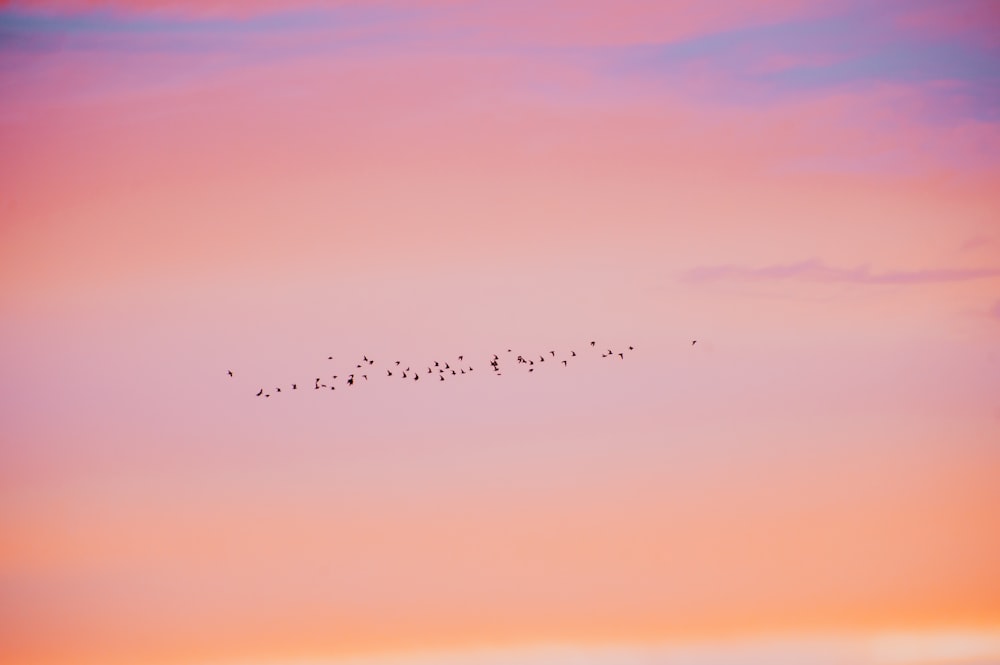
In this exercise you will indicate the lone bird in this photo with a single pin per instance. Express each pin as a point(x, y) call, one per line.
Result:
point(230, 372)
point(573, 353)
point(295, 386)
point(693, 342)
point(593, 343)
point(460, 359)
point(261, 392)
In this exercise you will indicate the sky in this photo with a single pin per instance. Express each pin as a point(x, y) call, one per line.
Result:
point(809, 189)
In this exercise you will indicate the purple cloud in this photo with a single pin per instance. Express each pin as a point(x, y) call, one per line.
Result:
point(816, 271)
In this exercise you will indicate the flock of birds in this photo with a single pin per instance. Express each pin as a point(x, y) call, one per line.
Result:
point(443, 370)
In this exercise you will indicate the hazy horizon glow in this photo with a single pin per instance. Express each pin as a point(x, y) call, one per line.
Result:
point(809, 189)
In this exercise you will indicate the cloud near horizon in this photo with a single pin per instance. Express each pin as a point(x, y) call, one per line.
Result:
point(815, 270)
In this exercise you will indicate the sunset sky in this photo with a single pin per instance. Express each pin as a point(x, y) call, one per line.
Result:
point(809, 189)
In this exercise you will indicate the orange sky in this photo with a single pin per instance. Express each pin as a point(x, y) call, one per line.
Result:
point(806, 188)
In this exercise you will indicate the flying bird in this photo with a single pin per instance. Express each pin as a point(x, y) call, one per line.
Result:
point(230, 372)
point(295, 386)
point(260, 393)
point(622, 356)
point(693, 342)
point(564, 363)
point(593, 343)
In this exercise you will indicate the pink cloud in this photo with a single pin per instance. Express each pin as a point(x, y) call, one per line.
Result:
point(817, 271)
point(977, 20)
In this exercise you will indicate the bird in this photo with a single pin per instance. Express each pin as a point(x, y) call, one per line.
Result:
point(397, 363)
point(573, 353)
point(593, 343)
point(622, 356)
point(447, 366)
point(496, 357)
point(365, 358)
point(364, 376)
point(564, 363)
point(389, 372)
point(532, 369)
point(404, 375)
point(442, 377)
point(631, 348)
point(261, 392)
point(278, 389)
point(230, 372)
point(453, 372)
point(329, 357)
point(416, 377)
point(553, 353)
point(436, 364)
point(693, 342)
point(295, 386)
point(460, 359)
point(350, 381)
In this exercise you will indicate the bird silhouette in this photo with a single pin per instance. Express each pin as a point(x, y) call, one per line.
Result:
point(593, 343)
point(460, 359)
point(388, 373)
point(416, 377)
point(693, 342)
point(553, 353)
point(278, 389)
point(261, 392)
point(442, 378)
point(230, 372)
point(295, 386)
point(573, 353)
point(622, 356)
point(564, 363)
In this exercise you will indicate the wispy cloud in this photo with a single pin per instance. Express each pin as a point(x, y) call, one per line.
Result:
point(976, 242)
point(814, 270)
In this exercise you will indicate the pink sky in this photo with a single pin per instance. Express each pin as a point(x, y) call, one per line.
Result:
point(807, 189)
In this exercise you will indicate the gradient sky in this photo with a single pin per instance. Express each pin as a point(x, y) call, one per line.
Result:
point(810, 189)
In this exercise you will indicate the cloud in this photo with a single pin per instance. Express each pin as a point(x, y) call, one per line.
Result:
point(816, 271)
point(976, 242)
